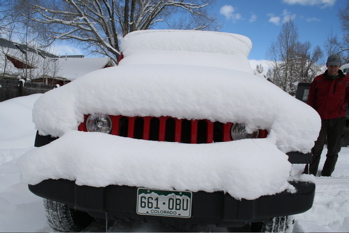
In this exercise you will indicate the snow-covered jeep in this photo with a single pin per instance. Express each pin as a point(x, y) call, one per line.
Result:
point(180, 132)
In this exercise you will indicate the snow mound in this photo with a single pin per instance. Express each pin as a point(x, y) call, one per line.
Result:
point(188, 41)
point(179, 47)
point(245, 169)
point(16, 113)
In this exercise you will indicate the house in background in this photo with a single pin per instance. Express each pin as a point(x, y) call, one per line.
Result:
point(18, 61)
point(69, 68)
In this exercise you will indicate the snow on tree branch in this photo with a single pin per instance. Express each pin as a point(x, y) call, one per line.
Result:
point(99, 25)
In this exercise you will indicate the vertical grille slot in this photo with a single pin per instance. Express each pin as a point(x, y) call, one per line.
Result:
point(210, 132)
point(146, 128)
point(116, 125)
point(139, 128)
point(217, 132)
point(162, 128)
point(202, 131)
point(154, 129)
point(123, 126)
point(185, 134)
point(194, 131)
point(178, 130)
point(131, 127)
point(170, 130)
point(226, 132)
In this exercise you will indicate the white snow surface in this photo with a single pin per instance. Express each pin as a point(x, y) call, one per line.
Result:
point(188, 41)
point(175, 47)
point(234, 167)
point(73, 68)
point(245, 169)
point(22, 211)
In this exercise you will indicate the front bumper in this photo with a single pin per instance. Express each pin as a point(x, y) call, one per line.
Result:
point(216, 208)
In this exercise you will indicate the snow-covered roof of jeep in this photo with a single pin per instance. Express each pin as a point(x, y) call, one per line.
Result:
point(189, 41)
point(176, 47)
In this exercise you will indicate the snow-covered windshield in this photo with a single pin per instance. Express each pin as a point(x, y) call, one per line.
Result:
point(202, 48)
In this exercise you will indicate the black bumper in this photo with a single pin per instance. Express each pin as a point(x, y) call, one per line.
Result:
point(207, 208)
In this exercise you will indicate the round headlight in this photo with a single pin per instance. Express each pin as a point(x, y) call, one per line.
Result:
point(98, 123)
point(238, 131)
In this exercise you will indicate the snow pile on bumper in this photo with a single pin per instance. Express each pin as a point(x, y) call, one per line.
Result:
point(245, 169)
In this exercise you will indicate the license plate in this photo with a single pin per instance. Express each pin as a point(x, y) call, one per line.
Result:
point(164, 203)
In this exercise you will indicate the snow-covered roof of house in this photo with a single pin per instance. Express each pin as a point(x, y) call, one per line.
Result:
point(45, 64)
point(73, 68)
point(17, 46)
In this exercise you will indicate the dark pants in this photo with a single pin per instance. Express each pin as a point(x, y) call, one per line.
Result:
point(332, 130)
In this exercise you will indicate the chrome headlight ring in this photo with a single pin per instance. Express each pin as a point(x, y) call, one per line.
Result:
point(238, 131)
point(99, 122)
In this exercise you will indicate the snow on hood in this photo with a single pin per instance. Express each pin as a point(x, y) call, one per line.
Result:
point(182, 92)
point(245, 169)
point(211, 90)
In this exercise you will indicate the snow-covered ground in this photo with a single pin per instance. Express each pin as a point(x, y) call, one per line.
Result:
point(21, 211)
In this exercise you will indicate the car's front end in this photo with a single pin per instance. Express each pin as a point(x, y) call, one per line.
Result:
point(162, 138)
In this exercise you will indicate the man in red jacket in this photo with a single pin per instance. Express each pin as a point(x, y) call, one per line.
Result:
point(328, 95)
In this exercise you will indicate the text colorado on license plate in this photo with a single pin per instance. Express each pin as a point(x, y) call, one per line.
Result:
point(164, 203)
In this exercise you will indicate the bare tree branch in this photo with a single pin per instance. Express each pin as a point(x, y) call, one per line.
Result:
point(99, 25)
point(293, 61)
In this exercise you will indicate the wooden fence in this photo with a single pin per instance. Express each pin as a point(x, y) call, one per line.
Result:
point(11, 88)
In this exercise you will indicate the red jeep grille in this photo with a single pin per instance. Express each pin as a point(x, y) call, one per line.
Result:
point(170, 129)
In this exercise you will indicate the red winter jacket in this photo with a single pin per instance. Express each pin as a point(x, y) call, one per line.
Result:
point(329, 96)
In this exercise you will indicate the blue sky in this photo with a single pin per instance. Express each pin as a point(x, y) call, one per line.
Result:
point(261, 20)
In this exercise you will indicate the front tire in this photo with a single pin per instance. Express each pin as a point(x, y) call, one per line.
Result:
point(276, 224)
point(65, 219)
